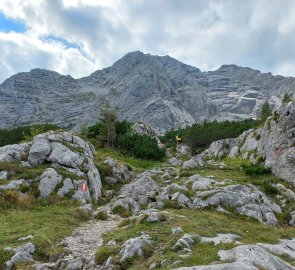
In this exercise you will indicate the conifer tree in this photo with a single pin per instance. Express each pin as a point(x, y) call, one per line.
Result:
point(265, 112)
point(108, 117)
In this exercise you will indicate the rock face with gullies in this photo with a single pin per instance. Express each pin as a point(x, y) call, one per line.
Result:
point(158, 90)
point(61, 151)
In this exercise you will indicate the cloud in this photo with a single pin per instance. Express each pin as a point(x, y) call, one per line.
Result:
point(79, 36)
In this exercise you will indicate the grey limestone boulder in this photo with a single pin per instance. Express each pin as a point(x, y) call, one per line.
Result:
point(64, 156)
point(48, 181)
point(22, 254)
point(246, 200)
point(14, 152)
point(39, 152)
point(135, 246)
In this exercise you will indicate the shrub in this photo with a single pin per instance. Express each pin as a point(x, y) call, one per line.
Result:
point(81, 214)
point(140, 146)
point(121, 211)
point(254, 169)
point(101, 215)
point(16, 135)
point(200, 135)
point(286, 98)
point(103, 253)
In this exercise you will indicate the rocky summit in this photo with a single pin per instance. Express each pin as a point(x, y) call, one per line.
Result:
point(158, 90)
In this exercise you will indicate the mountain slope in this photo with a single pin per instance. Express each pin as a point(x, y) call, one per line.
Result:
point(161, 91)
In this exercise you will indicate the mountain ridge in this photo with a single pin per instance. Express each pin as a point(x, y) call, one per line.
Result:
point(159, 90)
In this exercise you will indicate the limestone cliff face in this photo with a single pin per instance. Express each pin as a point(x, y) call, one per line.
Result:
point(160, 91)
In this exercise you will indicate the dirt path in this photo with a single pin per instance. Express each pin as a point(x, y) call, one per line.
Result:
point(85, 240)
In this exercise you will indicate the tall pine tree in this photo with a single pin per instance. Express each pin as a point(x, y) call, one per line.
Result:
point(265, 112)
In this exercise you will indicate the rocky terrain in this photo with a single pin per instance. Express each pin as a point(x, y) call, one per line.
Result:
point(190, 213)
point(160, 91)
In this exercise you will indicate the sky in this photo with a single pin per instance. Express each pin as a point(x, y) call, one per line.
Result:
point(77, 37)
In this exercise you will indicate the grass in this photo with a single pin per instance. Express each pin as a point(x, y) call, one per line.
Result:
point(48, 223)
point(138, 165)
point(202, 222)
point(21, 172)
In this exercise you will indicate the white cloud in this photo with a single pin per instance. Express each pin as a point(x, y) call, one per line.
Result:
point(206, 34)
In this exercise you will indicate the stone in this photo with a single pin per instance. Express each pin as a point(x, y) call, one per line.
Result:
point(48, 181)
point(285, 248)
point(255, 255)
point(12, 185)
point(199, 182)
point(221, 238)
point(176, 230)
point(3, 175)
point(189, 164)
point(246, 201)
point(136, 194)
point(25, 238)
point(64, 156)
point(183, 151)
point(14, 152)
point(134, 246)
point(22, 254)
point(186, 241)
point(182, 200)
point(174, 162)
point(66, 188)
point(39, 151)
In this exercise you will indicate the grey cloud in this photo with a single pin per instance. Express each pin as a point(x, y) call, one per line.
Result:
point(204, 33)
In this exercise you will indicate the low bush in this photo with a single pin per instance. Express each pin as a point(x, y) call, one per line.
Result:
point(16, 135)
point(104, 253)
point(140, 146)
point(121, 211)
point(255, 169)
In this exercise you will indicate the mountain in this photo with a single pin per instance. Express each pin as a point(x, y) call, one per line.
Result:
point(158, 90)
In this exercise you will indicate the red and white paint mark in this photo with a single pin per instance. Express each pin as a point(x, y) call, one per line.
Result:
point(84, 187)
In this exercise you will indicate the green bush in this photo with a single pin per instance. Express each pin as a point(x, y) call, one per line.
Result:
point(254, 169)
point(16, 135)
point(287, 98)
point(104, 253)
point(121, 211)
point(140, 146)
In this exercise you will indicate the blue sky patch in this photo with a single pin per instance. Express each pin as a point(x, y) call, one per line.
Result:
point(65, 42)
point(9, 25)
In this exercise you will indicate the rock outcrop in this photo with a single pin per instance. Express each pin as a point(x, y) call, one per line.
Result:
point(273, 144)
point(158, 90)
point(60, 152)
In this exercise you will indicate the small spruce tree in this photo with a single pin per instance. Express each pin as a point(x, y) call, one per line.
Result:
point(265, 112)
point(107, 134)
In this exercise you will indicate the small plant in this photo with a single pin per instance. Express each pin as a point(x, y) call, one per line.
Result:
point(121, 211)
point(103, 253)
point(255, 169)
point(257, 137)
point(81, 214)
point(101, 215)
point(171, 204)
point(269, 189)
point(286, 99)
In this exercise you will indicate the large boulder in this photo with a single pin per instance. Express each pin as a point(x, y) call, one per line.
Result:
point(246, 200)
point(60, 151)
point(135, 246)
point(136, 194)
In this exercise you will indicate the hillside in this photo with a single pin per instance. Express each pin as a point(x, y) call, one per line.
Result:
point(158, 90)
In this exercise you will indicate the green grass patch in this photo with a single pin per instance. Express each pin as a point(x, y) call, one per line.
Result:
point(49, 224)
point(138, 165)
point(201, 222)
